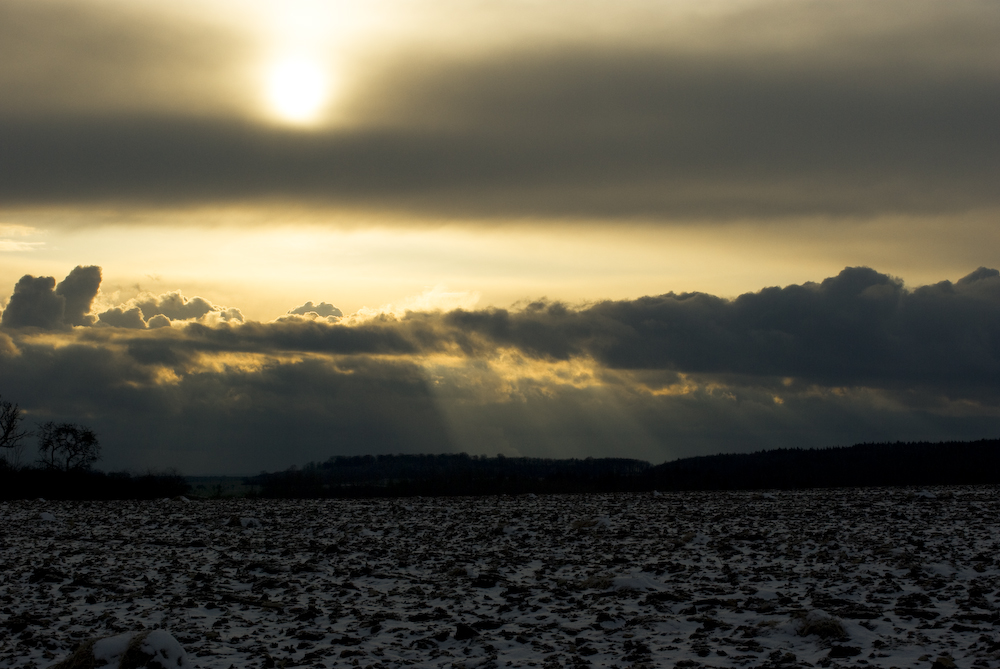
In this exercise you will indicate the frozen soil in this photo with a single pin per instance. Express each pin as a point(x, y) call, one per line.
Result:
point(878, 577)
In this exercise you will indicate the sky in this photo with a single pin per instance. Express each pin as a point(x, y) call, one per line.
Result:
point(243, 235)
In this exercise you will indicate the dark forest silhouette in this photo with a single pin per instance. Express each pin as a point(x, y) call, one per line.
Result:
point(898, 464)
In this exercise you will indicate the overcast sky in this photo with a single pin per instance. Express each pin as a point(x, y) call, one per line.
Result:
point(242, 235)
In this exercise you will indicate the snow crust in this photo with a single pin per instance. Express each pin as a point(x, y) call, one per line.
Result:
point(835, 578)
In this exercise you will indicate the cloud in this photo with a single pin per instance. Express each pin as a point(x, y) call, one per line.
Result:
point(839, 110)
point(158, 321)
point(230, 418)
point(156, 311)
point(87, 57)
point(323, 310)
point(16, 246)
point(980, 274)
point(34, 304)
point(120, 317)
point(175, 306)
point(11, 246)
point(858, 328)
point(855, 357)
point(239, 414)
point(78, 290)
point(39, 302)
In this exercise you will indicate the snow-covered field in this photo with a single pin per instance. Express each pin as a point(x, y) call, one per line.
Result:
point(878, 577)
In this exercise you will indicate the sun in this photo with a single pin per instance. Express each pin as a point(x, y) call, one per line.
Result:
point(297, 90)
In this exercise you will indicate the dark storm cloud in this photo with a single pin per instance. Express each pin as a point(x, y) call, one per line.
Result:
point(880, 115)
point(858, 328)
point(855, 357)
point(233, 420)
point(39, 302)
point(387, 337)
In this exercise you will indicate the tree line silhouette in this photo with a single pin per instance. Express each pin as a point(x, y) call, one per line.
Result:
point(64, 467)
point(861, 465)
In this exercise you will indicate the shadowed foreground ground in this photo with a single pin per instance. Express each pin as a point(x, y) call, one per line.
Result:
point(844, 577)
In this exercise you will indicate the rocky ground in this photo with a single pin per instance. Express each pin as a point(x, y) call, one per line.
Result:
point(878, 577)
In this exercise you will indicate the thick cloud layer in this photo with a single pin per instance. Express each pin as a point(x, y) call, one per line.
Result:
point(855, 357)
point(812, 109)
point(860, 327)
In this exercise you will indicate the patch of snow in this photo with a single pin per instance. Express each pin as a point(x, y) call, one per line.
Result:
point(165, 649)
point(110, 650)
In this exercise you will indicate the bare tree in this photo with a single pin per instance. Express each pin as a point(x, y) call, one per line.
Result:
point(68, 447)
point(12, 434)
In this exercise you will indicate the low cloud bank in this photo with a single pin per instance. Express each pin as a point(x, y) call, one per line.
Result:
point(855, 357)
point(860, 327)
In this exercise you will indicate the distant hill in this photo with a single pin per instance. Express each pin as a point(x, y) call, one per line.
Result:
point(898, 464)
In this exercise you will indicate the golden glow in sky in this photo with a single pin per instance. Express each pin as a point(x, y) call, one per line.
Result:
point(297, 89)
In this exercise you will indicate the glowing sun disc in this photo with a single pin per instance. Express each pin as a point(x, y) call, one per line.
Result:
point(296, 90)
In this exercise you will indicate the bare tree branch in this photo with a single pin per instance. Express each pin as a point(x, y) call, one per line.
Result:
point(68, 447)
point(11, 431)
